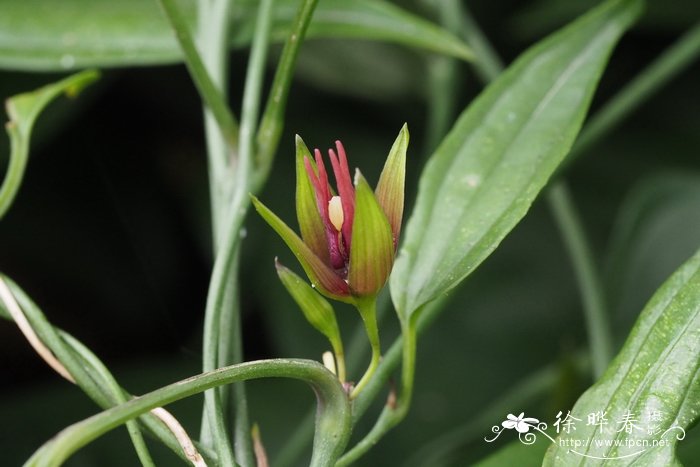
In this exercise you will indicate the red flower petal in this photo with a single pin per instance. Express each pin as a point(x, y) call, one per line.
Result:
point(345, 190)
point(323, 277)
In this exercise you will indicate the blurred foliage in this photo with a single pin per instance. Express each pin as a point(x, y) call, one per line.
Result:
point(110, 235)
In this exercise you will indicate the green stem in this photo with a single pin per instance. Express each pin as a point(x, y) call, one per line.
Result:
point(658, 73)
point(89, 376)
point(392, 358)
point(488, 64)
point(233, 339)
point(443, 76)
point(202, 79)
point(368, 313)
point(234, 401)
point(357, 351)
point(217, 299)
point(391, 415)
point(332, 422)
point(253, 90)
point(212, 36)
point(599, 334)
point(571, 229)
point(272, 121)
point(111, 384)
point(662, 70)
point(533, 388)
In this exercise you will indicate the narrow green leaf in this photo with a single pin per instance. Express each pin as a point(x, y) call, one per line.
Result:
point(23, 110)
point(372, 250)
point(322, 276)
point(382, 20)
point(310, 224)
point(654, 380)
point(41, 35)
point(318, 312)
point(85, 368)
point(500, 153)
point(390, 188)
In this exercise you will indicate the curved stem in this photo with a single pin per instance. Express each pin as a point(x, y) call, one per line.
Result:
point(332, 421)
point(394, 356)
point(658, 73)
point(231, 343)
point(590, 288)
point(294, 447)
point(89, 377)
point(23, 110)
point(212, 38)
point(134, 430)
point(216, 303)
point(489, 65)
point(368, 313)
point(15, 313)
point(393, 413)
point(212, 97)
point(273, 117)
point(253, 89)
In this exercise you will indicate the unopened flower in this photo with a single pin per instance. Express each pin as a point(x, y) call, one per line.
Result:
point(349, 235)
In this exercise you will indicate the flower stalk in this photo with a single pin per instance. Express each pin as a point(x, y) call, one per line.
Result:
point(348, 240)
point(368, 313)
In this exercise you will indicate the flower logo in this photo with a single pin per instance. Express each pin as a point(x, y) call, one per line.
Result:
point(521, 423)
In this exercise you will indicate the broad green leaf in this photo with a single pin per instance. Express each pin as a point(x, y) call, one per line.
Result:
point(47, 35)
point(485, 175)
point(23, 110)
point(655, 381)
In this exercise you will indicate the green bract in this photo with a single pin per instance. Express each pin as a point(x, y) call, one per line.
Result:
point(318, 312)
point(348, 240)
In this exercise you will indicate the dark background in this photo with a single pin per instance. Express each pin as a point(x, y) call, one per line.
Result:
point(110, 235)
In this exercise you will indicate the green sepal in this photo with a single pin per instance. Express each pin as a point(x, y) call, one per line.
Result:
point(310, 223)
point(372, 252)
point(322, 277)
point(390, 189)
point(317, 311)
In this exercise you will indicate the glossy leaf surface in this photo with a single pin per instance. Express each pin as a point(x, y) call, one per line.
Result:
point(654, 384)
point(499, 155)
point(46, 35)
